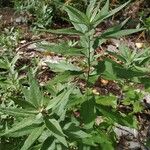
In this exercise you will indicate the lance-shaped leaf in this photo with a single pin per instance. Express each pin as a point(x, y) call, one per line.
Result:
point(17, 112)
point(120, 33)
point(54, 127)
point(75, 132)
point(106, 69)
point(116, 117)
point(142, 69)
point(128, 73)
point(49, 143)
point(23, 131)
point(116, 28)
point(99, 15)
point(32, 137)
point(66, 31)
point(77, 18)
point(90, 8)
point(58, 104)
point(114, 71)
point(55, 101)
point(63, 77)
point(93, 13)
point(19, 126)
point(24, 104)
point(33, 95)
point(62, 105)
point(63, 66)
point(100, 18)
point(63, 48)
point(76, 15)
point(114, 11)
point(105, 9)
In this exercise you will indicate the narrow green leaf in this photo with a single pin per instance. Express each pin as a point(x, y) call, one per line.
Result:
point(14, 60)
point(100, 18)
point(63, 48)
point(22, 124)
point(98, 42)
point(24, 104)
point(100, 14)
point(80, 134)
point(115, 28)
point(142, 69)
point(143, 56)
point(48, 144)
point(120, 33)
point(32, 137)
point(75, 133)
point(67, 76)
point(107, 145)
point(113, 71)
point(33, 95)
point(90, 8)
point(54, 127)
point(69, 31)
point(105, 9)
point(103, 139)
point(63, 66)
point(128, 73)
point(148, 143)
point(114, 11)
point(76, 99)
point(116, 117)
point(23, 132)
point(54, 102)
point(107, 70)
point(17, 112)
point(60, 108)
point(76, 15)
point(95, 11)
point(77, 18)
point(36, 95)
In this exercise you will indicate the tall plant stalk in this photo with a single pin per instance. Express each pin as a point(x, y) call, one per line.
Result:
point(89, 60)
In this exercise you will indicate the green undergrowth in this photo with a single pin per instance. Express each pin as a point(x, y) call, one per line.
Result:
point(61, 114)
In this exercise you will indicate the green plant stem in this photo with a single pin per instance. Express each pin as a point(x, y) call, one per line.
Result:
point(89, 66)
point(89, 60)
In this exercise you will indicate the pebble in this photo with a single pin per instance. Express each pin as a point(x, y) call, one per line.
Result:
point(123, 131)
point(32, 46)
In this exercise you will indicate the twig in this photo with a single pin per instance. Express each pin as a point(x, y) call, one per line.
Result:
point(125, 130)
point(31, 42)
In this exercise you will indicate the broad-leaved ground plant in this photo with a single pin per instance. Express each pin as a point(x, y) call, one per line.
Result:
point(62, 114)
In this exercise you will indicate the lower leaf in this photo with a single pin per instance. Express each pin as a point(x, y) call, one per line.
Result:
point(32, 137)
